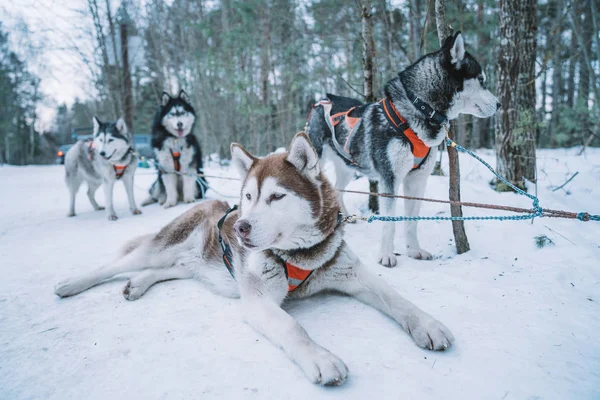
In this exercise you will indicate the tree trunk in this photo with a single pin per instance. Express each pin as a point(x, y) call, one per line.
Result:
point(571, 78)
point(265, 68)
point(480, 127)
point(556, 74)
point(415, 29)
point(368, 51)
point(127, 92)
point(460, 236)
point(368, 74)
point(515, 126)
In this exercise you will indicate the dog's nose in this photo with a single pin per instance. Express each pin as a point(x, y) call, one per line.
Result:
point(498, 105)
point(180, 125)
point(102, 153)
point(242, 228)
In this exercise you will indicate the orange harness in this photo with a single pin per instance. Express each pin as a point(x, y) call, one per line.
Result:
point(351, 121)
point(295, 276)
point(419, 149)
point(119, 170)
point(176, 155)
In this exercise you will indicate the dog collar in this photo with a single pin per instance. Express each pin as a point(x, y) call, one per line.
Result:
point(429, 112)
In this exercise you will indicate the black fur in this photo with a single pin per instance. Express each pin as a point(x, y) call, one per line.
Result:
point(160, 134)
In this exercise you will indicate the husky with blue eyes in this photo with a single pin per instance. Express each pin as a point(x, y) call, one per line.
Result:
point(106, 159)
point(286, 240)
point(178, 153)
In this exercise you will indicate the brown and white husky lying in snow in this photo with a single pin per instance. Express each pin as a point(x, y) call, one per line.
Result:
point(284, 241)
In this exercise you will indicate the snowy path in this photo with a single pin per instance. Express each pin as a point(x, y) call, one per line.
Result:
point(526, 320)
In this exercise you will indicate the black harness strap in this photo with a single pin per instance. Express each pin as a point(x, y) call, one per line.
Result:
point(227, 253)
point(392, 116)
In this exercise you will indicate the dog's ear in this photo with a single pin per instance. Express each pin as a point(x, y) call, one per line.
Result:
point(165, 99)
point(303, 156)
point(455, 46)
point(241, 159)
point(121, 126)
point(97, 124)
point(184, 96)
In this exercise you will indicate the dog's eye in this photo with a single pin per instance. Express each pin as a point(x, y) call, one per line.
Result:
point(110, 140)
point(248, 196)
point(275, 197)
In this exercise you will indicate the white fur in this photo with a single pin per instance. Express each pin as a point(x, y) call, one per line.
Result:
point(170, 178)
point(175, 117)
point(343, 173)
point(304, 157)
point(241, 160)
point(297, 232)
point(96, 124)
point(473, 100)
point(113, 148)
point(457, 52)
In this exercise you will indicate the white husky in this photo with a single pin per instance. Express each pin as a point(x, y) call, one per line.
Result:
point(286, 240)
point(106, 159)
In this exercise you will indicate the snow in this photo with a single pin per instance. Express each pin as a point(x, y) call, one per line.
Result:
point(526, 320)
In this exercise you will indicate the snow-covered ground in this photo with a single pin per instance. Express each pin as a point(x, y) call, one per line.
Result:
point(526, 320)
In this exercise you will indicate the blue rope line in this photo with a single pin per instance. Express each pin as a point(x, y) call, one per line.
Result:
point(537, 210)
point(204, 186)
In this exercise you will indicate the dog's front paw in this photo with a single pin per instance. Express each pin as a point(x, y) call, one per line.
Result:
point(66, 288)
point(189, 200)
point(131, 292)
point(419, 254)
point(322, 367)
point(388, 260)
point(136, 211)
point(112, 217)
point(429, 333)
point(71, 214)
point(99, 208)
point(170, 203)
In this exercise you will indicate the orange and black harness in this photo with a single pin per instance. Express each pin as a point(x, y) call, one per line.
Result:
point(295, 276)
point(176, 155)
point(419, 149)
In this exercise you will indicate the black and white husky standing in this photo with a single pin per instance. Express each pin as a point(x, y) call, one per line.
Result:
point(177, 150)
point(285, 241)
point(394, 141)
point(108, 158)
